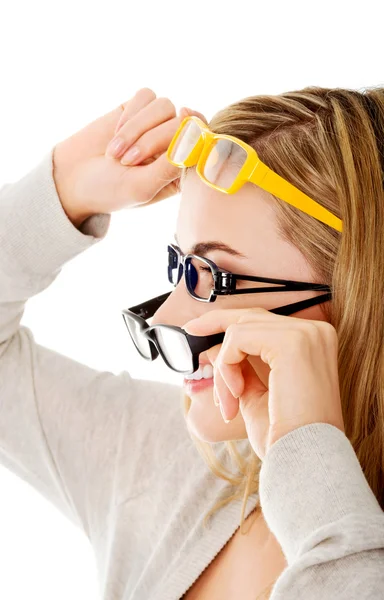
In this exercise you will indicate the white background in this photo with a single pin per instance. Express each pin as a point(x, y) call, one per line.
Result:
point(63, 65)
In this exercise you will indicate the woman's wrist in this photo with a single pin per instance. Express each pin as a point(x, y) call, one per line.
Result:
point(62, 169)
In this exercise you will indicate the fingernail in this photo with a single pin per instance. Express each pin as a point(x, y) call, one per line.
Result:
point(223, 414)
point(187, 325)
point(216, 398)
point(131, 155)
point(115, 147)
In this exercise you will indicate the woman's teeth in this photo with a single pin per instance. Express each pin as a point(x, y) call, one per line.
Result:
point(202, 373)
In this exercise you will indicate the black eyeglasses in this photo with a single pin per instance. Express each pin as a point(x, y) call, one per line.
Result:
point(180, 350)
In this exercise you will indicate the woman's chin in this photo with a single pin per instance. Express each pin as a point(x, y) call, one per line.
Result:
point(205, 422)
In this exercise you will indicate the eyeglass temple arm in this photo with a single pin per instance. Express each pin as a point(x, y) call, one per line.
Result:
point(276, 185)
point(199, 344)
point(290, 309)
point(147, 309)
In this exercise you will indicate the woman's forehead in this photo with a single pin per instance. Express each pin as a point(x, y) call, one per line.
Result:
point(235, 218)
point(245, 221)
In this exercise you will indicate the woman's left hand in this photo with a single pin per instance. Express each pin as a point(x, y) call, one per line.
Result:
point(303, 382)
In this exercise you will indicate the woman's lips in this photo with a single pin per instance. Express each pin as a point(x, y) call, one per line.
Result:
point(197, 385)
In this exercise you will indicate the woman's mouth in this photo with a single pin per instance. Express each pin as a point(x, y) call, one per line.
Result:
point(200, 379)
point(197, 385)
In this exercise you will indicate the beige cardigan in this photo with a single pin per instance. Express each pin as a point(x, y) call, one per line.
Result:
point(114, 455)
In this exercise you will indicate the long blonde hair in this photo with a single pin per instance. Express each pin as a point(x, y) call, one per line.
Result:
point(330, 144)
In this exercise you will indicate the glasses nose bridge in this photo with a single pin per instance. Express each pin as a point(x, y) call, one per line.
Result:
point(180, 268)
point(207, 137)
point(200, 150)
point(182, 258)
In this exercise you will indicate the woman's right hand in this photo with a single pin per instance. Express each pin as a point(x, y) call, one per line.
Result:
point(90, 180)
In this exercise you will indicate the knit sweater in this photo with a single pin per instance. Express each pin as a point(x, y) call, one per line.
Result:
point(114, 455)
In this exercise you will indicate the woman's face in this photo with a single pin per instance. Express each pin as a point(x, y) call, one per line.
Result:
point(245, 221)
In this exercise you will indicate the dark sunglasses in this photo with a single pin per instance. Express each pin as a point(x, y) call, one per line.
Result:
point(205, 280)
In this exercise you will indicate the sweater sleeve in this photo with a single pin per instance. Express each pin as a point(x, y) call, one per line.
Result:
point(318, 504)
point(61, 422)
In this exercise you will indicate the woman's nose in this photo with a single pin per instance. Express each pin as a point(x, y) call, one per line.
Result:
point(178, 309)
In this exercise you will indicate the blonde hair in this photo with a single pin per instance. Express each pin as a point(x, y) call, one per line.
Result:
point(330, 144)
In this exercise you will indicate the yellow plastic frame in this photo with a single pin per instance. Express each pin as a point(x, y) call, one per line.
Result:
point(253, 170)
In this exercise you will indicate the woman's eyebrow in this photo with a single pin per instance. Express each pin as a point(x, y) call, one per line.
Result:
point(202, 248)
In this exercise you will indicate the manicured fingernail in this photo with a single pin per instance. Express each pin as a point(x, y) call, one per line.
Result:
point(216, 398)
point(192, 322)
point(131, 155)
point(223, 414)
point(115, 147)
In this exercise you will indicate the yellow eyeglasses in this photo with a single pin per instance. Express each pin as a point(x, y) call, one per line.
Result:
point(226, 163)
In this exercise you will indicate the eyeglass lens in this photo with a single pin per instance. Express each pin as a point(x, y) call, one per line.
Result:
point(175, 349)
point(198, 276)
point(224, 161)
point(173, 345)
point(186, 141)
point(141, 342)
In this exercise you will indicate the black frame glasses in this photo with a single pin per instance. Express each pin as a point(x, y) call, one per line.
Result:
point(135, 317)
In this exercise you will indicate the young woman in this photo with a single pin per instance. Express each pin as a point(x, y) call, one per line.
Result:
point(281, 214)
